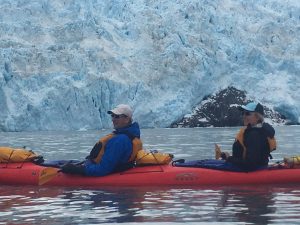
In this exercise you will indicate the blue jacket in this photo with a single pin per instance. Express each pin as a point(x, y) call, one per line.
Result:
point(117, 152)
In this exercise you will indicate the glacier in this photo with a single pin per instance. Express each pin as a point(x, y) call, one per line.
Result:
point(64, 63)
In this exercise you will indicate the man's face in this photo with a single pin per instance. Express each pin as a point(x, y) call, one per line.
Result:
point(120, 121)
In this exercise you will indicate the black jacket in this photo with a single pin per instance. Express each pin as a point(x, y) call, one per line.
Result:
point(257, 148)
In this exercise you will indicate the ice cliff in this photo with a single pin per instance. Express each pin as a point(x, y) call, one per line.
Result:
point(64, 63)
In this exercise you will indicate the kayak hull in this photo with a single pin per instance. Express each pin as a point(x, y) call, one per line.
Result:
point(166, 175)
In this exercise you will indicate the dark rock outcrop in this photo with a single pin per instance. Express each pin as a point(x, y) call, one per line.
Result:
point(221, 110)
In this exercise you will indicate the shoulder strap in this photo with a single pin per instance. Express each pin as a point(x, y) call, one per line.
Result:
point(240, 139)
point(128, 134)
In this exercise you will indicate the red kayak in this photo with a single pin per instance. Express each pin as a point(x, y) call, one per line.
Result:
point(166, 175)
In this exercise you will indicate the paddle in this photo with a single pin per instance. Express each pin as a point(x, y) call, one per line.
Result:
point(219, 154)
point(218, 151)
point(47, 174)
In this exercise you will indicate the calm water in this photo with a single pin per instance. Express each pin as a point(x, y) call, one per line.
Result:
point(276, 204)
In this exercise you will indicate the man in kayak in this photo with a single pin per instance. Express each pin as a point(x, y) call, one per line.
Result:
point(253, 143)
point(114, 152)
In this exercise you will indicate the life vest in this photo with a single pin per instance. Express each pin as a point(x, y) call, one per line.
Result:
point(136, 146)
point(240, 139)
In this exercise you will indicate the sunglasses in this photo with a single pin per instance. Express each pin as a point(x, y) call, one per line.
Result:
point(246, 113)
point(114, 116)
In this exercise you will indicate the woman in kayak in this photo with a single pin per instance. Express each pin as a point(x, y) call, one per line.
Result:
point(114, 152)
point(253, 143)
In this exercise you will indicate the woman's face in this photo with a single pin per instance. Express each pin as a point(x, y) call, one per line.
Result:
point(250, 118)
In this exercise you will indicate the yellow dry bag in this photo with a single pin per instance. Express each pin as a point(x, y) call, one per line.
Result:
point(144, 157)
point(8, 155)
point(292, 162)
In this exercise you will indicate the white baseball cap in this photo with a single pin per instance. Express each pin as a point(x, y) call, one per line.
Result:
point(121, 109)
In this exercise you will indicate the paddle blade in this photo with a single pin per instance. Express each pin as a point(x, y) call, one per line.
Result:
point(47, 174)
point(218, 152)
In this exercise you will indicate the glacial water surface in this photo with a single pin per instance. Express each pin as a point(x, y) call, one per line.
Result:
point(271, 204)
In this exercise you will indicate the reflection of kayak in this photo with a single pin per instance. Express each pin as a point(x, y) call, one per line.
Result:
point(166, 175)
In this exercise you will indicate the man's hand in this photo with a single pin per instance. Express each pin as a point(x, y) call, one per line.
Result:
point(73, 169)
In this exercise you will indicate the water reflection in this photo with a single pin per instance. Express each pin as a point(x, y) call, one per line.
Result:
point(258, 205)
point(250, 204)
